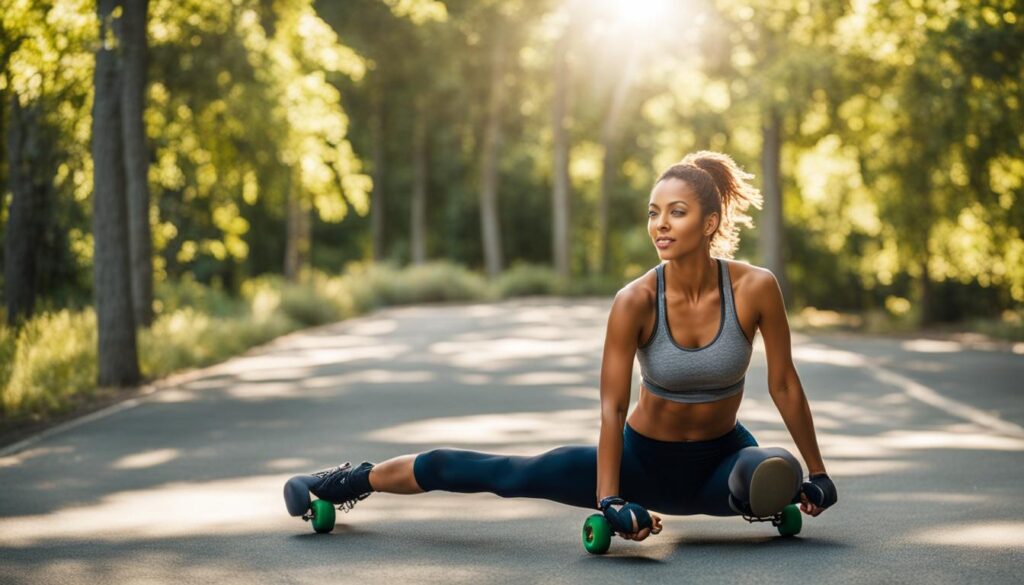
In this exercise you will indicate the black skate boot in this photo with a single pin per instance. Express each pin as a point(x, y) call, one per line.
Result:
point(342, 485)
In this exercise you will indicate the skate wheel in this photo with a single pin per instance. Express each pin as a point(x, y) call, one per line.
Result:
point(323, 516)
point(790, 521)
point(597, 534)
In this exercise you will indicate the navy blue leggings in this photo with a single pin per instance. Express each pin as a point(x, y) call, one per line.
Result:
point(689, 477)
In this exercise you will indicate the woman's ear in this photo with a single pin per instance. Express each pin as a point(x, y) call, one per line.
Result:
point(711, 223)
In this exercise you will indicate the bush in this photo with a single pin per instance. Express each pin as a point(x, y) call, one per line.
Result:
point(212, 300)
point(383, 285)
point(528, 279)
point(589, 286)
point(54, 362)
point(8, 345)
point(188, 338)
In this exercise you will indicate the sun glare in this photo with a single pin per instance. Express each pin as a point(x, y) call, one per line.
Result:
point(639, 14)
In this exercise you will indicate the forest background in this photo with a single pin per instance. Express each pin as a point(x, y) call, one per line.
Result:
point(183, 179)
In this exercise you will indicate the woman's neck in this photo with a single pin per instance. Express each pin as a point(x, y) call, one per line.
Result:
point(692, 277)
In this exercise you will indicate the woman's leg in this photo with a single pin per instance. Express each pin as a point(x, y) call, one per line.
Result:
point(734, 474)
point(395, 476)
point(567, 475)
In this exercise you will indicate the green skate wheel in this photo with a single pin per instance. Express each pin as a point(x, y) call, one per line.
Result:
point(323, 516)
point(597, 534)
point(790, 521)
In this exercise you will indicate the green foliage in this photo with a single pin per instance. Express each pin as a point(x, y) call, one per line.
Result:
point(53, 364)
point(901, 154)
point(382, 285)
point(8, 347)
point(528, 280)
point(189, 338)
point(186, 292)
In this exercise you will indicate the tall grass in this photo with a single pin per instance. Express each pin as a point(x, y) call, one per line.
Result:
point(54, 361)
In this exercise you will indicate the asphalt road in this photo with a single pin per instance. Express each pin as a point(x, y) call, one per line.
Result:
point(923, 438)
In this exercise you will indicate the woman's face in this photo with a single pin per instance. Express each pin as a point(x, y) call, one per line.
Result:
point(674, 219)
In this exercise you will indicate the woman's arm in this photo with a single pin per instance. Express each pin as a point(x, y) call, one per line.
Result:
point(620, 344)
point(783, 383)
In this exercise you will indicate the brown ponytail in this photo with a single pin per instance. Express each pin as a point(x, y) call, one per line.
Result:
point(723, 187)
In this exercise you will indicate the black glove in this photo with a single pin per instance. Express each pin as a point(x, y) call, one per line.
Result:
point(620, 515)
point(820, 490)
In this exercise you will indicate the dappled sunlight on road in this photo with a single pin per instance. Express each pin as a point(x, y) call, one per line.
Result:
point(262, 390)
point(545, 379)
point(995, 534)
point(174, 395)
point(937, 439)
point(371, 326)
point(931, 346)
point(146, 459)
point(447, 507)
point(293, 464)
point(228, 506)
point(474, 379)
point(492, 354)
point(588, 392)
point(33, 453)
point(820, 354)
point(929, 497)
point(294, 357)
point(369, 376)
point(566, 426)
point(480, 384)
point(544, 313)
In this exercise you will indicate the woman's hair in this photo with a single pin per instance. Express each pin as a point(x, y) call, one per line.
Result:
point(723, 187)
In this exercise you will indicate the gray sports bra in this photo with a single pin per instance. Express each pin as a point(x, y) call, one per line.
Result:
point(704, 374)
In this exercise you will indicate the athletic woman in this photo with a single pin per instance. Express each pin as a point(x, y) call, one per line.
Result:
point(690, 323)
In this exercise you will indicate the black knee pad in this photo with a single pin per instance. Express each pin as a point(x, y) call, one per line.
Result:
point(429, 466)
point(743, 473)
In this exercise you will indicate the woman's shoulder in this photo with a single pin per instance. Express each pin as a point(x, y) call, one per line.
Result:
point(749, 278)
point(638, 295)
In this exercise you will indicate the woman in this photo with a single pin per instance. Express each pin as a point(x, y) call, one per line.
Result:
point(689, 323)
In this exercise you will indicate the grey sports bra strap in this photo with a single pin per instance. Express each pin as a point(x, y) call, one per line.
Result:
point(727, 299)
point(662, 311)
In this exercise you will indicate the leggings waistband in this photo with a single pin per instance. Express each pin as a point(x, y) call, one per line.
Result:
point(737, 436)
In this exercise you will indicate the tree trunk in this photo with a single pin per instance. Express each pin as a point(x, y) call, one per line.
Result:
point(925, 283)
point(297, 234)
point(610, 137)
point(490, 224)
point(377, 197)
point(418, 242)
point(22, 230)
point(770, 224)
point(136, 157)
point(118, 357)
point(561, 186)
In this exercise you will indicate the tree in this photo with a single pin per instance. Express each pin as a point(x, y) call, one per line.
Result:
point(133, 103)
point(490, 224)
point(418, 219)
point(118, 358)
point(561, 192)
point(21, 236)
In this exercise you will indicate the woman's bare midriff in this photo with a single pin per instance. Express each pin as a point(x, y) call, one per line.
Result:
point(664, 420)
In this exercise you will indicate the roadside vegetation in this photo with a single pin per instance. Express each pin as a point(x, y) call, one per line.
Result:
point(48, 367)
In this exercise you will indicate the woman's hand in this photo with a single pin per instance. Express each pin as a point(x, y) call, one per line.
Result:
point(642, 534)
point(629, 520)
point(817, 494)
point(808, 507)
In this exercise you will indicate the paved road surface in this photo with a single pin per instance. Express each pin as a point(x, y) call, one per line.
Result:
point(924, 440)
